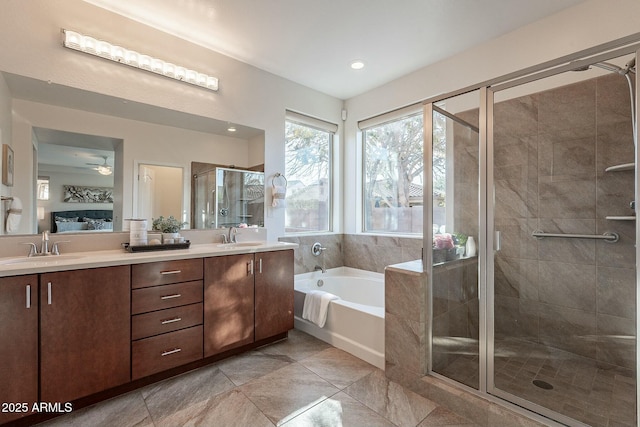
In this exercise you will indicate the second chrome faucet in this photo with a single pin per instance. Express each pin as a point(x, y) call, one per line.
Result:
point(44, 247)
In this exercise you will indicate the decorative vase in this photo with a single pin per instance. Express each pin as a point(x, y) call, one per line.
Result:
point(470, 248)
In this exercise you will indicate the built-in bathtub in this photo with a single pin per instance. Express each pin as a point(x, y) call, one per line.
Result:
point(355, 322)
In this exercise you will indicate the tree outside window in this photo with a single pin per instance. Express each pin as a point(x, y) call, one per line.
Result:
point(308, 171)
point(393, 174)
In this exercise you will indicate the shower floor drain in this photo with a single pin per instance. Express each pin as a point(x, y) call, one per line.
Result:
point(542, 384)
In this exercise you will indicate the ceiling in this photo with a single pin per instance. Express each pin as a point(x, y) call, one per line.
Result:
point(313, 42)
point(69, 150)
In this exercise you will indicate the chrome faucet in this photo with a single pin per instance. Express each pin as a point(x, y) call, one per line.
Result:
point(233, 232)
point(224, 238)
point(320, 268)
point(44, 249)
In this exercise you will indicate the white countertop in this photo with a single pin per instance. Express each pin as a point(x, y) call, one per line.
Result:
point(13, 266)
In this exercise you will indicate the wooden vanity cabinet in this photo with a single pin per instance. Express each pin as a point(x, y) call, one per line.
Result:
point(229, 302)
point(248, 298)
point(273, 293)
point(19, 349)
point(167, 315)
point(84, 332)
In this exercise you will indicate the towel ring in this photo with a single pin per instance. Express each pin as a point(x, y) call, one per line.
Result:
point(276, 176)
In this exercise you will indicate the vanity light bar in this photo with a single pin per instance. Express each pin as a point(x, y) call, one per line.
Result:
point(86, 44)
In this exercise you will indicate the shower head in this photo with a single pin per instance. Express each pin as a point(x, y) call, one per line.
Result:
point(628, 68)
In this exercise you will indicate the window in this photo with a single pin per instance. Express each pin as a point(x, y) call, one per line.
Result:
point(393, 170)
point(308, 151)
point(43, 188)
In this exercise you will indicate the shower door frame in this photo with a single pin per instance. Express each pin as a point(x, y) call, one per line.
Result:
point(486, 292)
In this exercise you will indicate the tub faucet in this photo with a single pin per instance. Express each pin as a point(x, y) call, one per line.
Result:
point(321, 268)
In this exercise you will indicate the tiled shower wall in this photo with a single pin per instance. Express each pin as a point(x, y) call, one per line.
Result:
point(364, 252)
point(551, 150)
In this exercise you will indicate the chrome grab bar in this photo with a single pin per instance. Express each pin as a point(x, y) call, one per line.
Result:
point(609, 237)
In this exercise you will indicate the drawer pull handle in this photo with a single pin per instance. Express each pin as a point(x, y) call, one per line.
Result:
point(171, 296)
point(175, 319)
point(250, 268)
point(174, 351)
point(28, 296)
point(164, 273)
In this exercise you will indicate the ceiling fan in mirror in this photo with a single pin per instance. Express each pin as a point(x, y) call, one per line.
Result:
point(102, 168)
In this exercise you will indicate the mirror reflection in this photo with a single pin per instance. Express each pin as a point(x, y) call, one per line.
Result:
point(159, 192)
point(227, 197)
point(75, 179)
point(99, 132)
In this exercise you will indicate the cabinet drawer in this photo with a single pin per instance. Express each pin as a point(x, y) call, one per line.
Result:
point(162, 273)
point(163, 321)
point(157, 354)
point(167, 296)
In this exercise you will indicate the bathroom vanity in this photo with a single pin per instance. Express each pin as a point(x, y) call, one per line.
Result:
point(80, 328)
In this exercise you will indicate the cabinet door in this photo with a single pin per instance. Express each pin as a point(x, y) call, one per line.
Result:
point(19, 349)
point(85, 332)
point(228, 302)
point(274, 293)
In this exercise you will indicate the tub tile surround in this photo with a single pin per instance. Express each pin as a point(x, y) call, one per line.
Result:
point(374, 253)
point(405, 320)
point(361, 251)
point(304, 391)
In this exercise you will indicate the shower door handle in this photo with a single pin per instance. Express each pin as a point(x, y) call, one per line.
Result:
point(498, 244)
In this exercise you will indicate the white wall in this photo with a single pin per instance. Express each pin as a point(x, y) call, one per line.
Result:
point(586, 25)
point(30, 44)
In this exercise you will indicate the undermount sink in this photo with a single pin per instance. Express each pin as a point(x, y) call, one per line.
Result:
point(240, 245)
point(36, 259)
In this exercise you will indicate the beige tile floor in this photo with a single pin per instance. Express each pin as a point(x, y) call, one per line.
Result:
point(595, 394)
point(297, 382)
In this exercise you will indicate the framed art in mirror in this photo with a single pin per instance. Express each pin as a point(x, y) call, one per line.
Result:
point(82, 194)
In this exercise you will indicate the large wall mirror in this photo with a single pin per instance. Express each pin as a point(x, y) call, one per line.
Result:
point(88, 150)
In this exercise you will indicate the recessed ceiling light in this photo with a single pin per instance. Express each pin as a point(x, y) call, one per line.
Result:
point(231, 129)
point(357, 65)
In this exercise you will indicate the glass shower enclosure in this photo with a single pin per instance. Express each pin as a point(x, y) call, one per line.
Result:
point(226, 197)
point(542, 172)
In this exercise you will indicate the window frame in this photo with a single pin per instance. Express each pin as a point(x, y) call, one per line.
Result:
point(330, 129)
point(364, 126)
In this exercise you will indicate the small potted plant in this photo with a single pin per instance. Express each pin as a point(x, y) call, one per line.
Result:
point(169, 227)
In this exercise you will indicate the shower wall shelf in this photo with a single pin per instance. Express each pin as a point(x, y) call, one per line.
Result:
point(621, 218)
point(620, 168)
